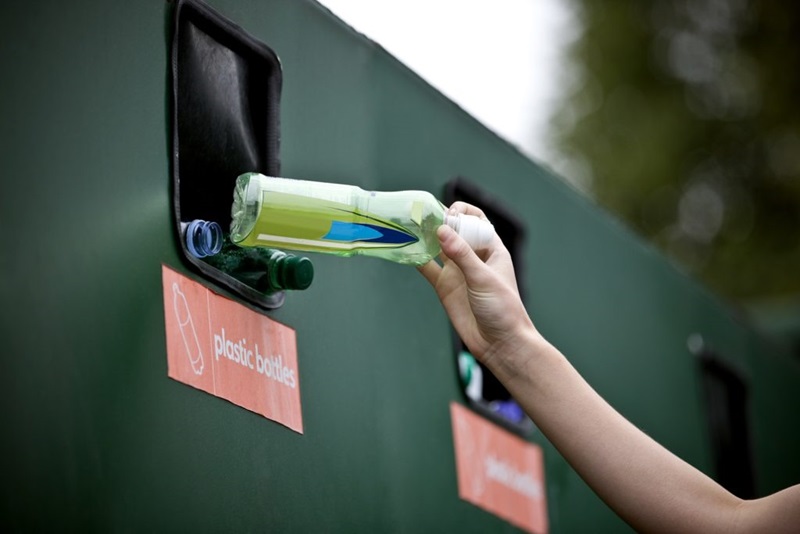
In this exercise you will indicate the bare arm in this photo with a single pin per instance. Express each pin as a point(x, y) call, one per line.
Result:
point(649, 487)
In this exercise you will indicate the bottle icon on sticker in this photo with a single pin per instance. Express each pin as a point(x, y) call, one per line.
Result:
point(187, 329)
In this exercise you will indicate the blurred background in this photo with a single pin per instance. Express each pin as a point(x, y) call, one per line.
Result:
point(679, 116)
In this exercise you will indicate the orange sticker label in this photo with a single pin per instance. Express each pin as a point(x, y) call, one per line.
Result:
point(498, 471)
point(218, 346)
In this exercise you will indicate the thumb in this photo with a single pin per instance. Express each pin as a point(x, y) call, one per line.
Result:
point(455, 248)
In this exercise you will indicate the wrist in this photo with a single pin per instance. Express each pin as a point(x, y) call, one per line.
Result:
point(513, 356)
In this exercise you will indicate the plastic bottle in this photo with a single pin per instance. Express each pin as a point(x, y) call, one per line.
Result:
point(286, 271)
point(202, 238)
point(345, 220)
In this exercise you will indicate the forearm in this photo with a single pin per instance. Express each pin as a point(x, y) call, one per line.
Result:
point(649, 487)
point(645, 484)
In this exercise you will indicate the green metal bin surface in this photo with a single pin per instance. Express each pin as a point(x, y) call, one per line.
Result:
point(96, 437)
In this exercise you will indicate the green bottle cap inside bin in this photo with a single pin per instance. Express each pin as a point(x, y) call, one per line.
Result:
point(291, 272)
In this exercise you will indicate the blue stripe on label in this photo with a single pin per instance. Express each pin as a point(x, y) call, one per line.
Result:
point(350, 232)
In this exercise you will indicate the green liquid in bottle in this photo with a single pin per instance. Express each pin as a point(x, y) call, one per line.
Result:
point(336, 219)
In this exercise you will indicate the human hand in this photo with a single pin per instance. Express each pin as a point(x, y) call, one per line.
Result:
point(479, 292)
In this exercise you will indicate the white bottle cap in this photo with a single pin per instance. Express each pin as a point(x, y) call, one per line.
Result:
point(477, 232)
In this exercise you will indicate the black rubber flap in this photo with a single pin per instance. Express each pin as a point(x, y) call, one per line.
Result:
point(225, 100)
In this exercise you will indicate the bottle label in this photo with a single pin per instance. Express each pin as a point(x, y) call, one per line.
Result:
point(299, 221)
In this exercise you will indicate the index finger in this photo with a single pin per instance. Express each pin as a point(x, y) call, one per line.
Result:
point(460, 206)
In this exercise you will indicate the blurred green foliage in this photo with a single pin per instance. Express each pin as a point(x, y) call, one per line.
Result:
point(682, 116)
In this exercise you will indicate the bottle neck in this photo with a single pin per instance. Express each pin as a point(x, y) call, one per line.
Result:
point(453, 221)
point(477, 232)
